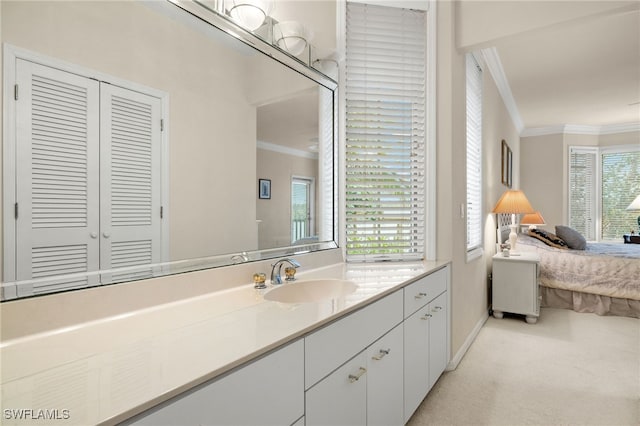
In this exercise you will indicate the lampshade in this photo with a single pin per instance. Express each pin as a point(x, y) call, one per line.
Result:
point(635, 204)
point(513, 201)
point(532, 219)
point(249, 13)
point(291, 36)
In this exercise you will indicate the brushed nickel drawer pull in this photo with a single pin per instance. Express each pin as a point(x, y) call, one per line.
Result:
point(436, 309)
point(420, 295)
point(426, 317)
point(382, 354)
point(356, 377)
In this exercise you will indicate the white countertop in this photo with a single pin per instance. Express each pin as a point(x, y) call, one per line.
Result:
point(107, 370)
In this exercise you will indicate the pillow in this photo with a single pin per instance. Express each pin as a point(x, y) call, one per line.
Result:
point(572, 237)
point(548, 238)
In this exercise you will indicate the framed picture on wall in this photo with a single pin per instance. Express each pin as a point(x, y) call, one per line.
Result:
point(264, 189)
point(507, 163)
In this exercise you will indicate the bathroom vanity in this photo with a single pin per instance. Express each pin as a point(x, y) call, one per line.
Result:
point(354, 370)
point(233, 357)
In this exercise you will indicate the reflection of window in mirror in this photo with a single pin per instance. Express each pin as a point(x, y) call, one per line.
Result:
point(302, 211)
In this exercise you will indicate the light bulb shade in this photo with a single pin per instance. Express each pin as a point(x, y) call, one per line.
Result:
point(532, 219)
point(290, 36)
point(513, 201)
point(250, 14)
point(635, 204)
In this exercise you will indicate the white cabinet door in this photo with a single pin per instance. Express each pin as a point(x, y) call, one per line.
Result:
point(437, 338)
point(385, 405)
point(416, 360)
point(269, 391)
point(340, 399)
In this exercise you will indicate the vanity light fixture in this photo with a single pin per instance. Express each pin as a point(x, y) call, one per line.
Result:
point(513, 202)
point(291, 36)
point(250, 14)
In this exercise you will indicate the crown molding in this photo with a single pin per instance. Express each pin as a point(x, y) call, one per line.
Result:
point(576, 129)
point(286, 150)
point(493, 63)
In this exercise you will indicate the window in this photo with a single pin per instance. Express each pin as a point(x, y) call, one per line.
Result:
point(602, 183)
point(301, 208)
point(385, 133)
point(474, 157)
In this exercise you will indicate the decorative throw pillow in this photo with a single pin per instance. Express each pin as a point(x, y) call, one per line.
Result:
point(548, 238)
point(572, 237)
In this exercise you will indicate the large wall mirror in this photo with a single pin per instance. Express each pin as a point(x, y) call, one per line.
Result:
point(135, 136)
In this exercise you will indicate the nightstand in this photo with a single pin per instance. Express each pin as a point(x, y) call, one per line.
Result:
point(515, 285)
point(631, 239)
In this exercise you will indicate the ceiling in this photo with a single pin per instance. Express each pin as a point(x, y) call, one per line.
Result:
point(580, 70)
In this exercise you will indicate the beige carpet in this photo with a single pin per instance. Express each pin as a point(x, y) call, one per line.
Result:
point(568, 369)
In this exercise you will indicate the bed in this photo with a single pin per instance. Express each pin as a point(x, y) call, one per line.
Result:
point(604, 278)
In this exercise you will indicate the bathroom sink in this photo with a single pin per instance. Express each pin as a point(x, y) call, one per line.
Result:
point(310, 291)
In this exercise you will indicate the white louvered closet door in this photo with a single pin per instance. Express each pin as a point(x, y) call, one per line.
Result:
point(130, 150)
point(57, 189)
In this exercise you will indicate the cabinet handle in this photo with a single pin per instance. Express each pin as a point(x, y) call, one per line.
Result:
point(420, 295)
point(426, 317)
point(436, 309)
point(356, 377)
point(382, 354)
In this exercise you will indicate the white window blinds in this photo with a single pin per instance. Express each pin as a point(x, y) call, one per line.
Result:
point(620, 185)
point(385, 132)
point(583, 191)
point(474, 154)
point(602, 183)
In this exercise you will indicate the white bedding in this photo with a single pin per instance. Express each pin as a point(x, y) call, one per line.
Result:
point(604, 269)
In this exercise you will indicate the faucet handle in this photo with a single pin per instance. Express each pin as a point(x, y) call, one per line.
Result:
point(290, 273)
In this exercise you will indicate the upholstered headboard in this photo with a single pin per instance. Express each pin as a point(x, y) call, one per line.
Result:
point(503, 221)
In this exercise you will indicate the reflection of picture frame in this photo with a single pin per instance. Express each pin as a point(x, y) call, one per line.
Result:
point(507, 164)
point(264, 189)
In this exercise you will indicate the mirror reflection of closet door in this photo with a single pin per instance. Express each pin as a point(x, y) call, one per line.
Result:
point(130, 221)
point(57, 166)
point(87, 179)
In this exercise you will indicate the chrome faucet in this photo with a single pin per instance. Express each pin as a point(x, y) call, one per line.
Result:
point(276, 269)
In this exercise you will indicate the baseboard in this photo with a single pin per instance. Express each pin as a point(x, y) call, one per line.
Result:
point(453, 364)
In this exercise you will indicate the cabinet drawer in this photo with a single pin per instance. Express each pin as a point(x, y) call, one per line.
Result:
point(331, 346)
point(424, 290)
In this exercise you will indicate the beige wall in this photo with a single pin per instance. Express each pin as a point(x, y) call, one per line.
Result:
point(542, 171)
point(544, 165)
point(470, 288)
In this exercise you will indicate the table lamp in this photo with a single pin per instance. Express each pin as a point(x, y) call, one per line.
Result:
point(533, 220)
point(635, 205)
point(513, 202)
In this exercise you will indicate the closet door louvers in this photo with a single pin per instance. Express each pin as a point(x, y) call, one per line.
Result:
point(130, 182)
point(56, 178)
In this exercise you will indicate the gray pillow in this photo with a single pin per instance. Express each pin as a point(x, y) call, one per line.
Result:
point(572, 237)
